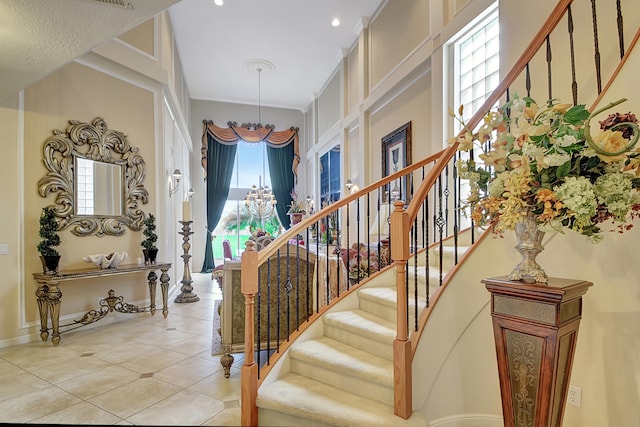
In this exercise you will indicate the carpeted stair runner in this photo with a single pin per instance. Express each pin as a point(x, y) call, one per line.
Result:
point(345, 377)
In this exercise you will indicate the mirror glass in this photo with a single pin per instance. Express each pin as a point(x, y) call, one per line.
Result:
point(98, 188)
point(96, 177)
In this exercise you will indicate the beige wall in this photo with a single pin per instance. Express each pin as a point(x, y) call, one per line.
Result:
point(395, 32)
point(129, 102)
point(76, 92)
point(407, 83)
point(141, 37)
point(412, 105)
point(11, 220)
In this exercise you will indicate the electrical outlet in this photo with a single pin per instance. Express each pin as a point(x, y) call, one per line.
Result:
point(575, 395)
point(4, 249)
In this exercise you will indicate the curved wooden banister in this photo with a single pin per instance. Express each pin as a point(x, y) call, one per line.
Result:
point(550, 23)
point(415, 217)
point(272, 248)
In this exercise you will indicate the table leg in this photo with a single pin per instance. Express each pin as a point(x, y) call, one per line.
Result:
point(54, 299)
point(226, 360)
point(164, 287)
point(152, 277)
point(41, 294)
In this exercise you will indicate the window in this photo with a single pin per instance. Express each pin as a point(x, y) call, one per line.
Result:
point(475, 66)
point(251, 168)
point(476, 63)
point(330, 176)
point(84, 185)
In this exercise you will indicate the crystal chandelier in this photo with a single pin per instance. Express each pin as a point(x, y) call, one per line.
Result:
point(260, 201)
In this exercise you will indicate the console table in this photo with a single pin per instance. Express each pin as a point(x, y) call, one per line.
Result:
point(49, 296)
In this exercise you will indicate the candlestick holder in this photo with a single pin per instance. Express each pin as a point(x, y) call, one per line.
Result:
point(186, 294)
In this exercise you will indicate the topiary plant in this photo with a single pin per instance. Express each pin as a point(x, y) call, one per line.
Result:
point(149, 232)
point(48, 232)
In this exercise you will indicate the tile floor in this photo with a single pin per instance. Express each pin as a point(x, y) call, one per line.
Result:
point(137, 369)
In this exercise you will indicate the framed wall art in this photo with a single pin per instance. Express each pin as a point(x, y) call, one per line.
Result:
point(396, 155)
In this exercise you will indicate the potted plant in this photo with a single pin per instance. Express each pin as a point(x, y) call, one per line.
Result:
point(296, 209)
point(48, 231)
point(150, 250)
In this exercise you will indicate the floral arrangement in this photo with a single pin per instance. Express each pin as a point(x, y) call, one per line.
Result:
point(296, 206)
point(544, 160)
point(363, 267)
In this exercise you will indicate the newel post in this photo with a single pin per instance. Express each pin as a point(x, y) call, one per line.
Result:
point(535, 328)
point(249, 371)
point(402, 387)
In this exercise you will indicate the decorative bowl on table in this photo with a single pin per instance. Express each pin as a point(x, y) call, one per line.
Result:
point(106, 260)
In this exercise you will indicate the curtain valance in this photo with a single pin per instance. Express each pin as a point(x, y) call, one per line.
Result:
point(234, 133)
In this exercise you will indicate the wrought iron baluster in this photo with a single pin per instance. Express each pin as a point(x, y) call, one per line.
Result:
point(620, 24)
point(278, 300)
point(427, 255)
point(596, 45)
point(440, 223)
point(548, 58)
point(414, 243)
point(528, 79)
point(572, 54)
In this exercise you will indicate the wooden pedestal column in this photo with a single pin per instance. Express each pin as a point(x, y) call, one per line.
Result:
point(535, 328)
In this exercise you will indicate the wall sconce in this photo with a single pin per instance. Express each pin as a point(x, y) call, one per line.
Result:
point(349, 186)
point(190, 193)
point(175, 177)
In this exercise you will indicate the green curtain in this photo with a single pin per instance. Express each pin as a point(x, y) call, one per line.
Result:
point(220, 161)
point(282, 178)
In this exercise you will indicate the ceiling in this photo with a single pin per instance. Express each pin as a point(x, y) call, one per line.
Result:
point(37, 38)
point(215, 43)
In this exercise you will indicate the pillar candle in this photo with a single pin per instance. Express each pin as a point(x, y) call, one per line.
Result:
point(186, 211)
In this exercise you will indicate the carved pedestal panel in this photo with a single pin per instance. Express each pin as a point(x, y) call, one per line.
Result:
point(535, 328)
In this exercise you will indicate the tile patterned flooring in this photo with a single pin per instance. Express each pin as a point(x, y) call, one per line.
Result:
point(137, 369)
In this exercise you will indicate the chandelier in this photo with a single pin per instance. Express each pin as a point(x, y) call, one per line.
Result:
point(260, 201)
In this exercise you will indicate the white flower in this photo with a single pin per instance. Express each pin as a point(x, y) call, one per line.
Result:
point(614, 190)
point(517, 107)
point(578, 196)
point(566, 140)
point(557, 159)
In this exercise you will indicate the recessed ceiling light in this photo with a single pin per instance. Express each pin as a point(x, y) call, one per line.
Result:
point(335, 22)
point(219, 2)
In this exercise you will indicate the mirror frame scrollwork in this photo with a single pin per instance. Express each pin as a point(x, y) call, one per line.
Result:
point(92, 141)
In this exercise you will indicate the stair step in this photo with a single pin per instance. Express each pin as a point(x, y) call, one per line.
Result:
point(297, 397)
point(363, 330)
point(343, 366)
point(448, 258)
point(381, 301)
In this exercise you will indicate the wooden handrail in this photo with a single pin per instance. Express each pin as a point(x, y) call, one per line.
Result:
point(533, 47)
point(272, 248)
point(405, 345)
point(403, 349)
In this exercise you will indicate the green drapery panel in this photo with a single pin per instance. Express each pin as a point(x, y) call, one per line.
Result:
point(220, 161)
point(217, 162)
point(282, 179)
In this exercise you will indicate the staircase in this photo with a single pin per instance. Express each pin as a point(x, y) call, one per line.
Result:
point(343, 376)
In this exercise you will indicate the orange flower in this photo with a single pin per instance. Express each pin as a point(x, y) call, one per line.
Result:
point(611, 142)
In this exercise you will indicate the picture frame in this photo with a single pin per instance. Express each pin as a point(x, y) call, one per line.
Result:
point(396, 155)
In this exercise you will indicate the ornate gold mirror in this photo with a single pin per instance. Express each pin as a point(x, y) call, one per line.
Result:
point(98, 177)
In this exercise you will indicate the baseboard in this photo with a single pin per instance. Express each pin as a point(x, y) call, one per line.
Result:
point(468, 420)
